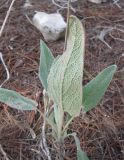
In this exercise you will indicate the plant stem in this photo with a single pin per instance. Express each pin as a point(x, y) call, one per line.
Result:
point(66, 33)
point(60, 151)
point(6, 69)
point(7, 15)
point(60, 122)
point(60, 154)
point(43, 142)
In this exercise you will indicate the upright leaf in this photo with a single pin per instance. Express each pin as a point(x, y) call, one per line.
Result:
point(51, 121)
point(56, 114)
point(65, 77)
point(95, 89)
point(46, 60)
point(81, 155)
point(15, 100)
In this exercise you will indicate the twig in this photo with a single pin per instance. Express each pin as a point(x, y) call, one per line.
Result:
point(118, 39)
point(116, 3)
point(90, 17)
point(43, 143)
point(29, 19)
point(65, 5)
point(7, 71)
point(102, 36)
point(118, 29)
point(119, 91)
point(56, 4)
point(108, 30)
point(66, 33)
point(5, 20)
point(3, 152)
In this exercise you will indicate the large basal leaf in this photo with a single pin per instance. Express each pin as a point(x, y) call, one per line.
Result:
point(65, 77)
point(95, 89)
point(46, 60)
point(15, 100)
point(81, 155)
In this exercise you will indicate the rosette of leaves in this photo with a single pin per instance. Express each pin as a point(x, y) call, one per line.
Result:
point(62, 79)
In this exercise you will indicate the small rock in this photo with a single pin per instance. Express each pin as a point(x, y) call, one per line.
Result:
point(52, 26)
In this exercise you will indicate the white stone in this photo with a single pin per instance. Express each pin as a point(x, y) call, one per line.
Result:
point(52, 26)
point(97, 1)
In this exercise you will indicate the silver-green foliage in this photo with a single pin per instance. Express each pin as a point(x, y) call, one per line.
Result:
point(65, 77)
point(81, 155)
point(46, 60)
point(64, 82)
point(15, 100)
point(95, 89)
point(62, 79)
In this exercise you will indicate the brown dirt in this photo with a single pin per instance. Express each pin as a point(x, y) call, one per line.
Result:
point(101, 131)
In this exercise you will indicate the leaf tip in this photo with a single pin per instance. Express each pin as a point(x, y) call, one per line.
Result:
point(114, 67)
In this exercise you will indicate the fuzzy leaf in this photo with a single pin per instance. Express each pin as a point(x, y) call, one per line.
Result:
point(56, 113)
point(65, 77)
point(95, 89)
point(15, 100)
point(81, 155)
point(46, 60)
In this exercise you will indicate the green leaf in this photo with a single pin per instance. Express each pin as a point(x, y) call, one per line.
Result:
point(65, 77)
point(95, 89)
point(68, 118)
point(56, 113)
point(81, 155)
point(51, 121)
point(46, 60)
point(15, 100)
